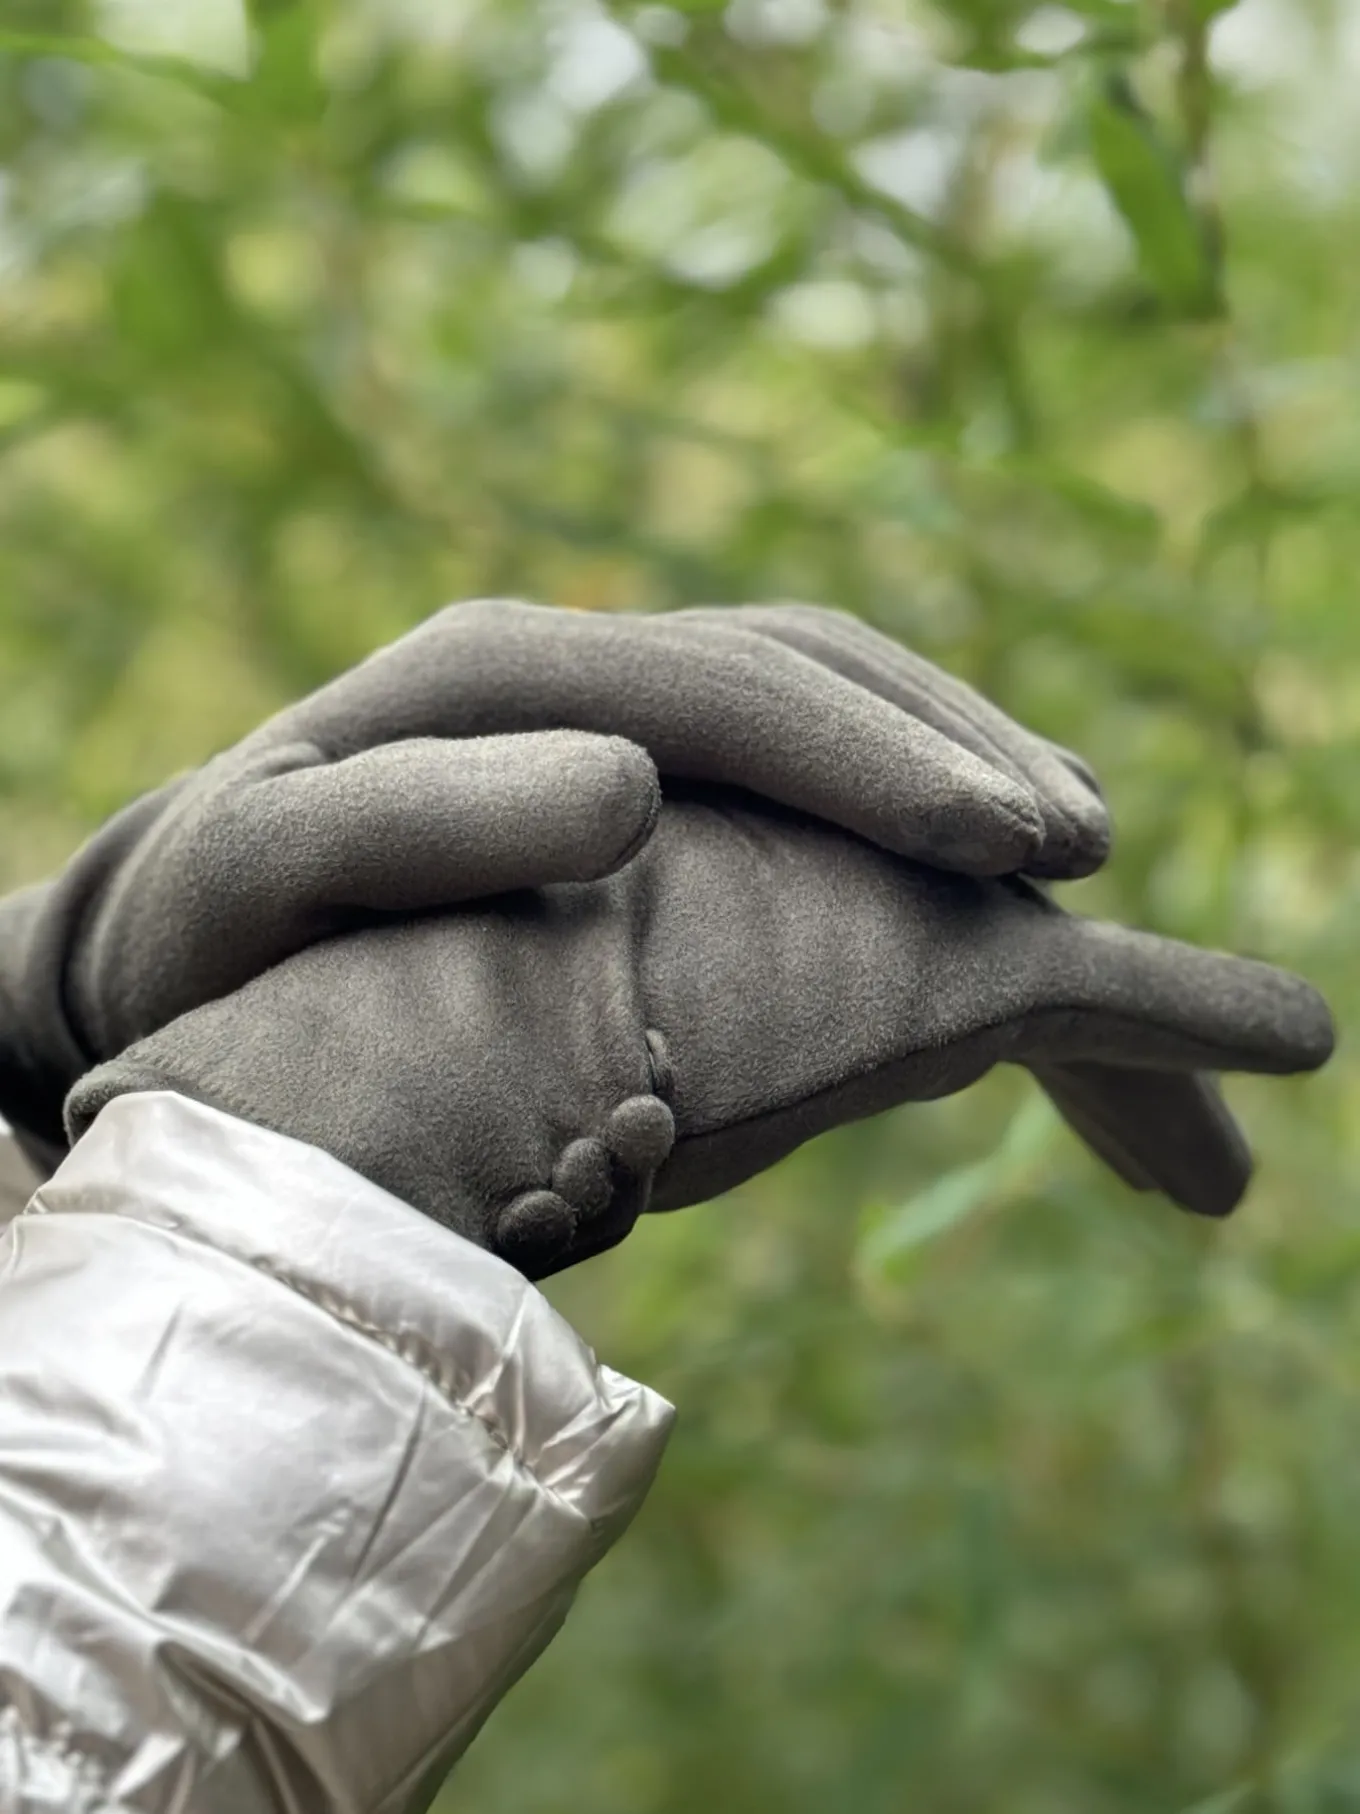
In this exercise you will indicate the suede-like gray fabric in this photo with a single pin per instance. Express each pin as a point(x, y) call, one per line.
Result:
point(525, 1070)
point(499, 746)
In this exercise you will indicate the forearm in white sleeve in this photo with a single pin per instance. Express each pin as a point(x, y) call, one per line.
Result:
point(294, 1483)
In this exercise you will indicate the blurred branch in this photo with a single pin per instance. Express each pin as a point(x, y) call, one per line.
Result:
point(97, 52)
point(810, 155)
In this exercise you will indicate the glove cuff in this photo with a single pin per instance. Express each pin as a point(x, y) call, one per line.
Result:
point(39, 1054)
point(44, 1046)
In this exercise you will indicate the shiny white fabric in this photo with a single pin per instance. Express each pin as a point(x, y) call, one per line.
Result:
point(293, 1482)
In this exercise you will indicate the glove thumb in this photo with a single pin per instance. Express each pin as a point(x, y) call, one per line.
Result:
point(295, 848)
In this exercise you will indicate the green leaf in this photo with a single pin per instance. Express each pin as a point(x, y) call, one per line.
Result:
point(212, 85)
point(287, 84)
point(1147, 185)
point(931, 1212)
point(891, 1237)
point(166, 293)
point(1229, 1801)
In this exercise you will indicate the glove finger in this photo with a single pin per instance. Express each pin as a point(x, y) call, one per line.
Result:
point(1158, 1130)
point(1076, 837)
point(1108, 994)
point(297, 848)
point(974, 709)
point(708, 701)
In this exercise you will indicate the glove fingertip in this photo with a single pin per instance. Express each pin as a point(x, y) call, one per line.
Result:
point(1071, 859)
point(995, 828)
point(1078, 833)
point(625, 795)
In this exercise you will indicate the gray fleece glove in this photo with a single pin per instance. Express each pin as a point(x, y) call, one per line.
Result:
point(371, 798)
point(528, 1071)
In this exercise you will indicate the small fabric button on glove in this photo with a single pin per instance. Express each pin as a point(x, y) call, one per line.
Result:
point(584, 1176)
point(640, 1134)
point(535, 1231)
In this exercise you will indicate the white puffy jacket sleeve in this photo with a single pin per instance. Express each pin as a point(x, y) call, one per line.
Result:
point(294, 1483)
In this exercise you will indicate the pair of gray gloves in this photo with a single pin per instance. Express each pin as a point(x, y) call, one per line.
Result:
point(540, 919)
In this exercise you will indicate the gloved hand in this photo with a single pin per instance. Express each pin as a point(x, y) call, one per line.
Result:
point(369, 798)
point(524, 1070)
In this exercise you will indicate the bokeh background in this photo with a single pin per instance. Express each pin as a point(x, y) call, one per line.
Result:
point(1029, 333)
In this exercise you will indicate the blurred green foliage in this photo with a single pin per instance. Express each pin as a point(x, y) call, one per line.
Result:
point(1032, 334)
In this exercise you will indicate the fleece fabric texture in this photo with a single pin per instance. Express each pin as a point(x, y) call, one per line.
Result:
point(525, 1070)
point(504, 746)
